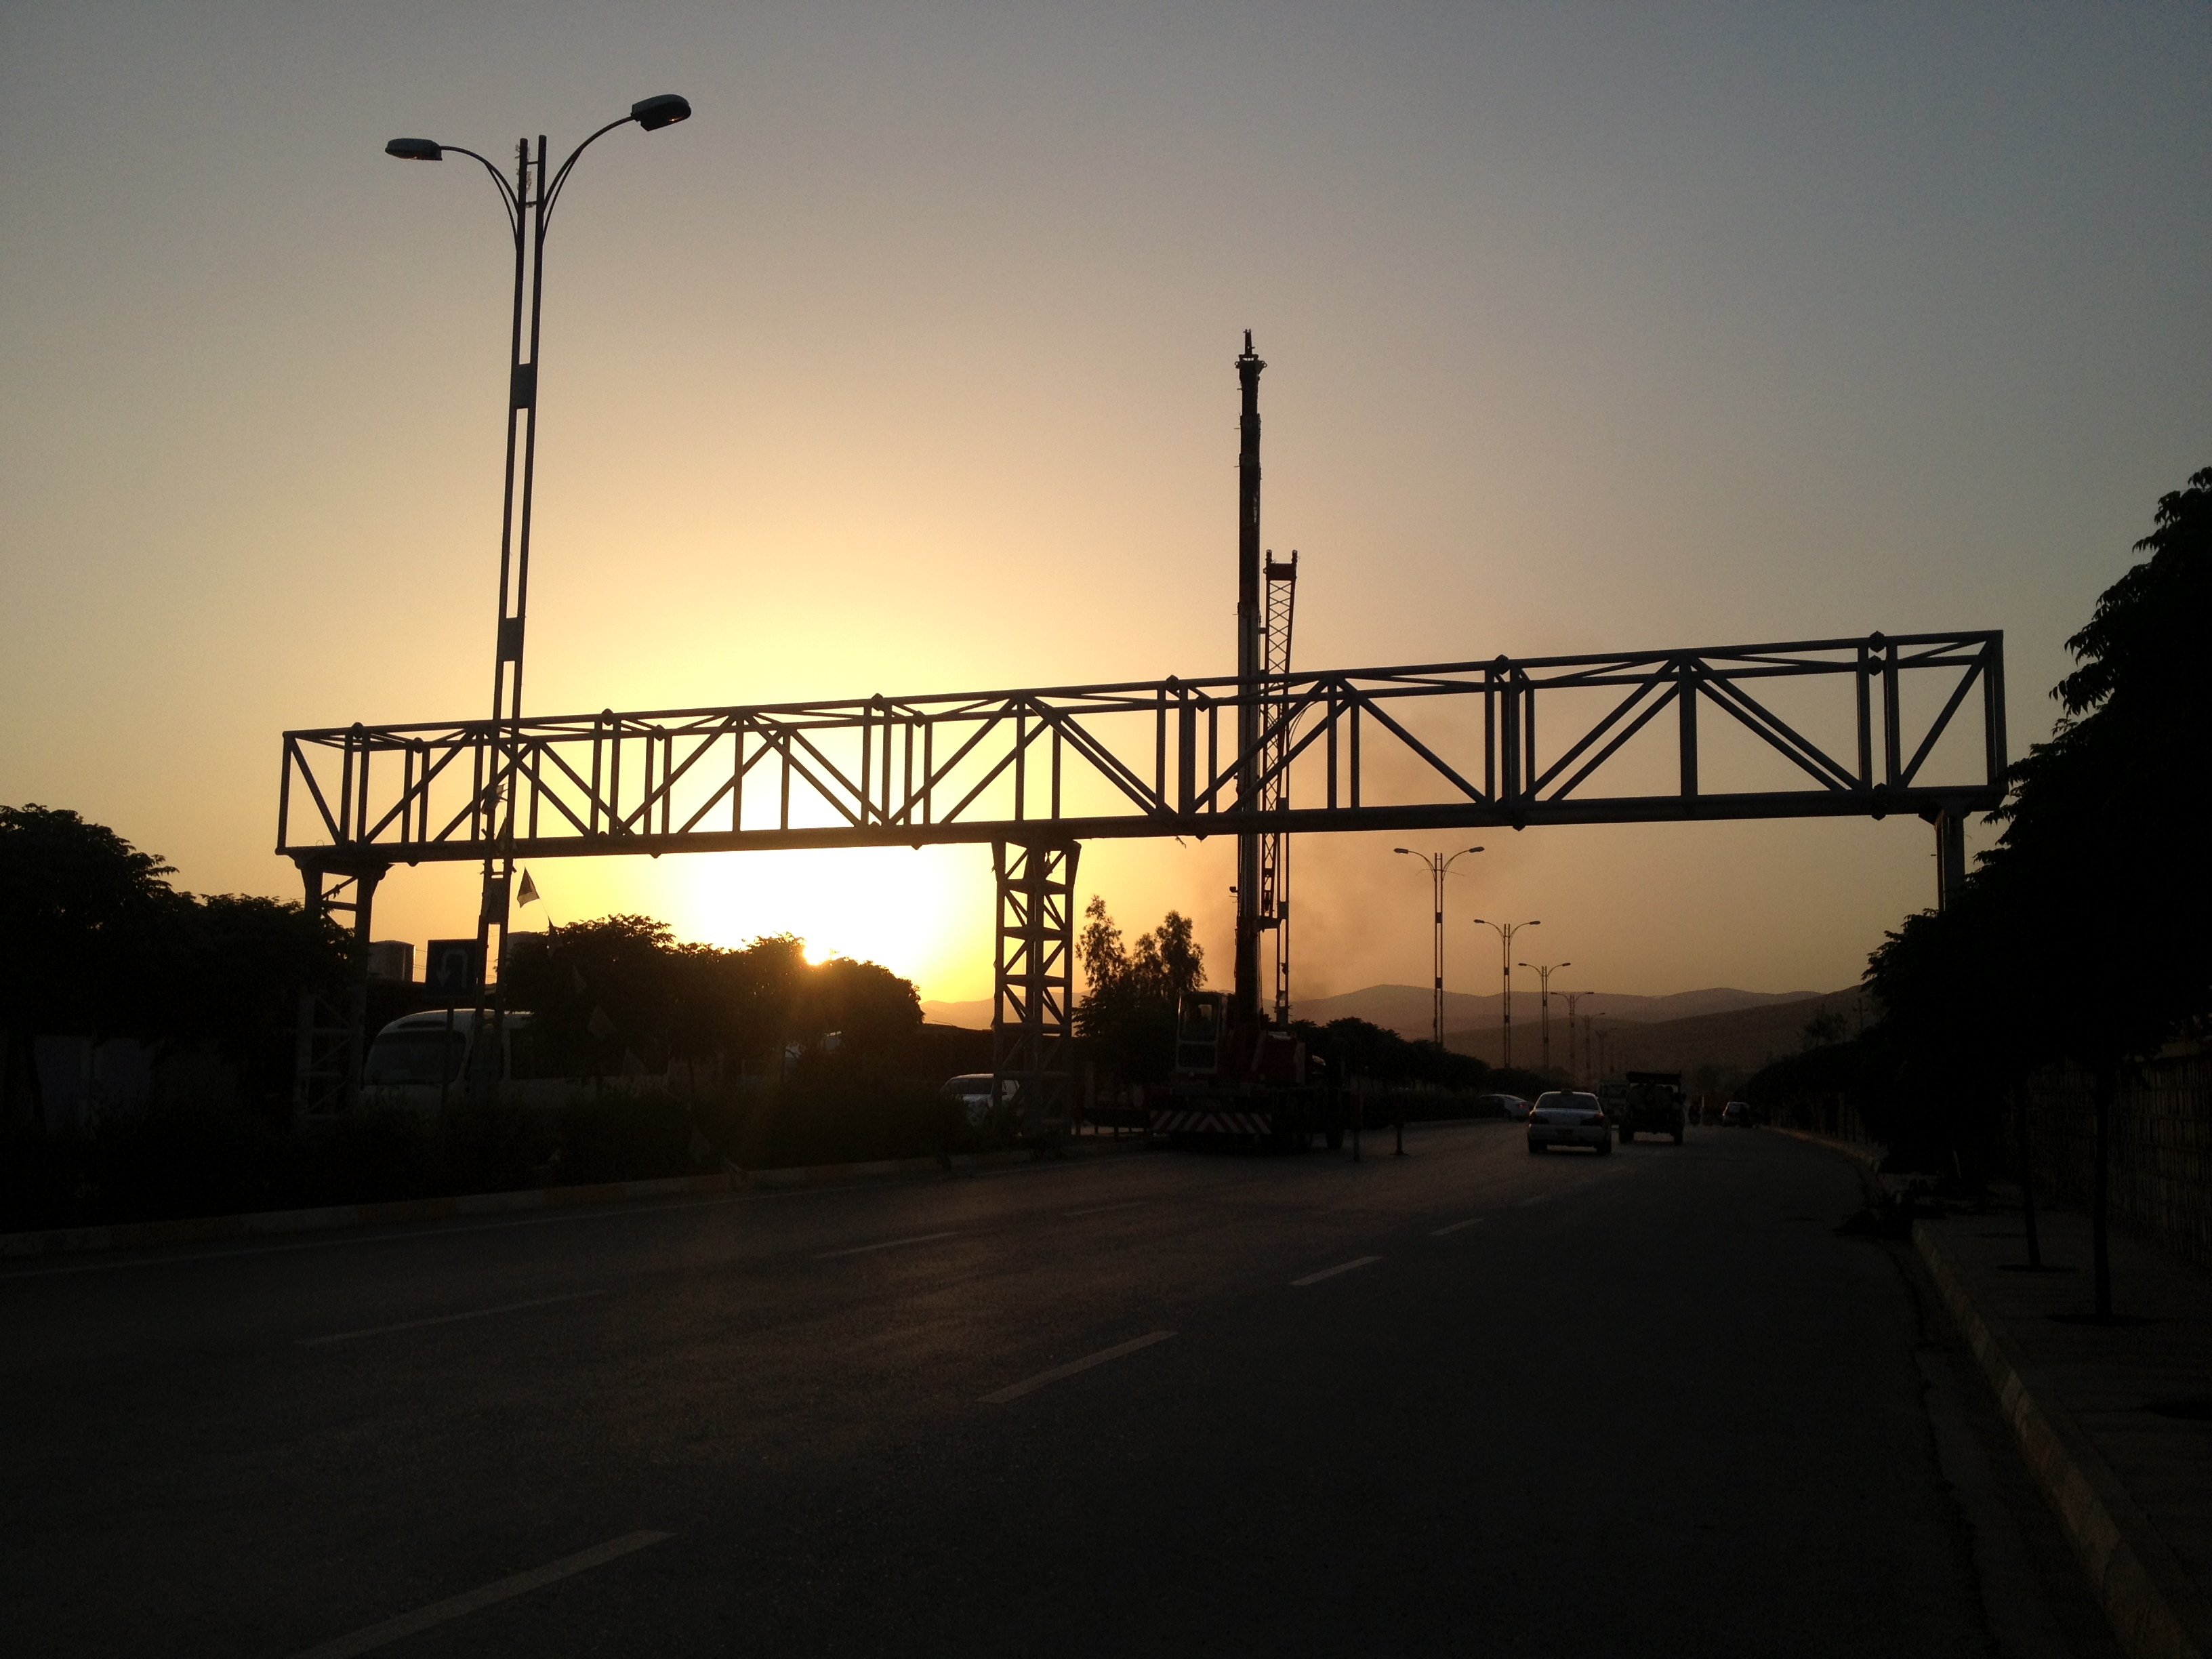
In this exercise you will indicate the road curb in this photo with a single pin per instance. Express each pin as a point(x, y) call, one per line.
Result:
point(204, 1229)
point(1867, 1155)
point(2141, 1587)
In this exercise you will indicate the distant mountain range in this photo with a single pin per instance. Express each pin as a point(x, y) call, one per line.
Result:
point(1405, 1009)
point(975, 1016)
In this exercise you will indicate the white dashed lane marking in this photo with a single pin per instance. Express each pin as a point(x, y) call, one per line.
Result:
point(1331, 1272)
point(1030, 1384)
point(438, 1612)
point(886, 1244)
point(444, 1319)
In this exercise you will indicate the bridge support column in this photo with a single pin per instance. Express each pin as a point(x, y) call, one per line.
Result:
point(1033, 1005)
point(331, 1043)
point(1950, 823)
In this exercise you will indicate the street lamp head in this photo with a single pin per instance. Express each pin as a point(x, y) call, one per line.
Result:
point(1474, 849)
point(414, 149)
point(1480, 922)
point(664, 111)
point(1401, 849)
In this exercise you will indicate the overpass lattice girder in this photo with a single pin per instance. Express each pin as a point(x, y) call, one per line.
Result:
point(1035, 773)
point(1147, 758)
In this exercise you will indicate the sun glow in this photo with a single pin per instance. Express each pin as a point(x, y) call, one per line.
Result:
point(925, 914)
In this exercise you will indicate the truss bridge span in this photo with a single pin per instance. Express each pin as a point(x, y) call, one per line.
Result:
point(1804, 729)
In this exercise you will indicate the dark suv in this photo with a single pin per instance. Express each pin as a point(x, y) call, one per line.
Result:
point(1653, 1105)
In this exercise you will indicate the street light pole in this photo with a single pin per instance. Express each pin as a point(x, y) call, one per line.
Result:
point(1544, 973)
point(1506, 932)
point(1573, 998)
point(1439, 866)
point(529, 200)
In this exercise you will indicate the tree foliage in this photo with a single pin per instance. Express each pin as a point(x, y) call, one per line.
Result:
point(1126, 1014)
point(2099, 863)
point(95, 943)
point(621, 992)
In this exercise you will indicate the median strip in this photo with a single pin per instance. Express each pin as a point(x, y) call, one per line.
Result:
point(1331, 1272)
point(886, 1244)
point(506, 1589)
point(1030, 1384)
point(445, 1319)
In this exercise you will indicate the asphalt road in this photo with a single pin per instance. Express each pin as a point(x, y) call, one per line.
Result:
point(1647, 1403)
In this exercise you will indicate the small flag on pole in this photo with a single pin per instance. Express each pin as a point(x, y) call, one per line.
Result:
point(528, 893)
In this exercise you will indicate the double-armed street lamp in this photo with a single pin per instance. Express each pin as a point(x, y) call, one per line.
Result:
point(1544, 972)
point(1506, 932)
point(1439, 865)
point(529, 198)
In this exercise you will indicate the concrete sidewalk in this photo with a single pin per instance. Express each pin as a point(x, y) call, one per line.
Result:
point(2115, 1421)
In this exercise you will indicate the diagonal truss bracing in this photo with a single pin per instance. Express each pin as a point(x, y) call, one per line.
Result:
point(1848, 727)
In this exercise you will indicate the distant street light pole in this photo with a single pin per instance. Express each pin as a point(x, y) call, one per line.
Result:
point(1439, 865)
point(1506, 932)
point(1544, 972)
point(528, 215)
point(1573, 998)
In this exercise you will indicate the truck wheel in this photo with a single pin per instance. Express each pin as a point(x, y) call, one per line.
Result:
point(1677, 1134)
point(1336, 1140)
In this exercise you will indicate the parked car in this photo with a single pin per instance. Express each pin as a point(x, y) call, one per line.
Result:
point(1736, 1115)
point(1562, 1117)
point(1509, 1106)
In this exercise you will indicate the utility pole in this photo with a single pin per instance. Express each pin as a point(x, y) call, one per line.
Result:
point(1439, 865)
point(1544, 972)
point(1248, 650)
point(1506, 932)
point(1573, 998)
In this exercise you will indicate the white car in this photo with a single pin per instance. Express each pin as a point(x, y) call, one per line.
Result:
point(1569, 1118)
point(973, 1090)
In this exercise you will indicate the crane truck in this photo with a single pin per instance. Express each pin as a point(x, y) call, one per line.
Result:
point(1254, 1084)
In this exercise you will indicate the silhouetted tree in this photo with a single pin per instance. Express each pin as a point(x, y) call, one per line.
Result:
point(95, 943)
point(2104, 830)
point(622, 990)
point(1127, 1011)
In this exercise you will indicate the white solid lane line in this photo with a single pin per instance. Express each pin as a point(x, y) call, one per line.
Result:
point(438, 1612)
point(1446, 1232)
point(1028, 1384)
point(886, 1244)
point(445, 1319)
point(1331, 1272)
point(1101, 1209)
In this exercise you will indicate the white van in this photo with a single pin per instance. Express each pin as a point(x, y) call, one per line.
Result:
point(416, 1060)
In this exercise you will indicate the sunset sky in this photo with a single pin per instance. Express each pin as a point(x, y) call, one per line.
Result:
point(904, 366)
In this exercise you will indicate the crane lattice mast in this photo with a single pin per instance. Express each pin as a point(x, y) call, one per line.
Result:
point(1282, 594)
